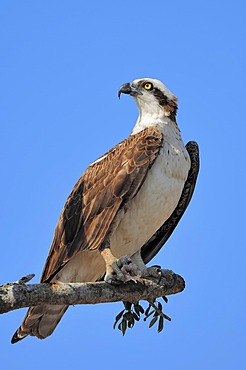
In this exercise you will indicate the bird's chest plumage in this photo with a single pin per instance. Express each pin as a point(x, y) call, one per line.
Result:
point(155, 201)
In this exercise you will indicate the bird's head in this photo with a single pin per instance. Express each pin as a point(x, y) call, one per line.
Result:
point(152, 97)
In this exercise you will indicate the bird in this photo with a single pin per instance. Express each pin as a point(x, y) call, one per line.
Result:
point(124, 207)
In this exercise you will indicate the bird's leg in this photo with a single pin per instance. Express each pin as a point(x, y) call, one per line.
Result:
point(113, 272)
point(118, 270)
point(154, 271)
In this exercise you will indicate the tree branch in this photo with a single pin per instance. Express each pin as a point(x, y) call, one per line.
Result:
point(19, 294)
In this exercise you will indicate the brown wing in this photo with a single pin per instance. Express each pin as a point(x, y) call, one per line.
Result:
point(156, 242)
point(103, 189)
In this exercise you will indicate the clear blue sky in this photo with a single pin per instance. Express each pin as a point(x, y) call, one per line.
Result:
point(62, 63)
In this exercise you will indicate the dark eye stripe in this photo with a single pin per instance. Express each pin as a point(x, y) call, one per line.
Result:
point(162, 99)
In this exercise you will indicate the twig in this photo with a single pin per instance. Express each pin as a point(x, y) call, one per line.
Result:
point(25, 279)
point(159, 311)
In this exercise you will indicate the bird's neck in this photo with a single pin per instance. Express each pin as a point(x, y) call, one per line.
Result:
point(158, 119)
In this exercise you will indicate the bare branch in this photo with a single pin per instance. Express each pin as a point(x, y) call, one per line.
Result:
point(18, 295)
point(25, 279)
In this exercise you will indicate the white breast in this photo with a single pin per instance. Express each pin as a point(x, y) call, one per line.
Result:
point(156, 200)
point(151, 207)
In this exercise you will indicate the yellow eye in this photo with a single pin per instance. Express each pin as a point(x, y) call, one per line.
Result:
point(148, 86)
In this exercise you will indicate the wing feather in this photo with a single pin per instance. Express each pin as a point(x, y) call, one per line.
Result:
point(103, 189)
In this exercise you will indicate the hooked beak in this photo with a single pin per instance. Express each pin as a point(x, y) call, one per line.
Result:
point(128, 89)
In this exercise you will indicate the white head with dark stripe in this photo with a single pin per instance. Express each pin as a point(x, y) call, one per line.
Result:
point(154, 100)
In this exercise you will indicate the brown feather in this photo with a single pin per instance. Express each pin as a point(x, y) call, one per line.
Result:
point(103, 189)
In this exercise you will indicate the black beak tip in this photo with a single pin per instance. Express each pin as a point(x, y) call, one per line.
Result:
point(125, 89)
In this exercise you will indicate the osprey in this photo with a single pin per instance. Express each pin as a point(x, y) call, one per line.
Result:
point(124, 207)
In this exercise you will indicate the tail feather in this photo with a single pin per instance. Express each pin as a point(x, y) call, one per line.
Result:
point(40, 321)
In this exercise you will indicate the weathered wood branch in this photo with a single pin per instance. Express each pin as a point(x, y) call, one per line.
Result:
point(19, 294)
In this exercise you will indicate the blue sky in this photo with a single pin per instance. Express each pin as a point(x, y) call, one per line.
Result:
point(62, 63)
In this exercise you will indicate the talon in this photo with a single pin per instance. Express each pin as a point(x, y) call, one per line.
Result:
point(122, 270)
point(111, 279)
